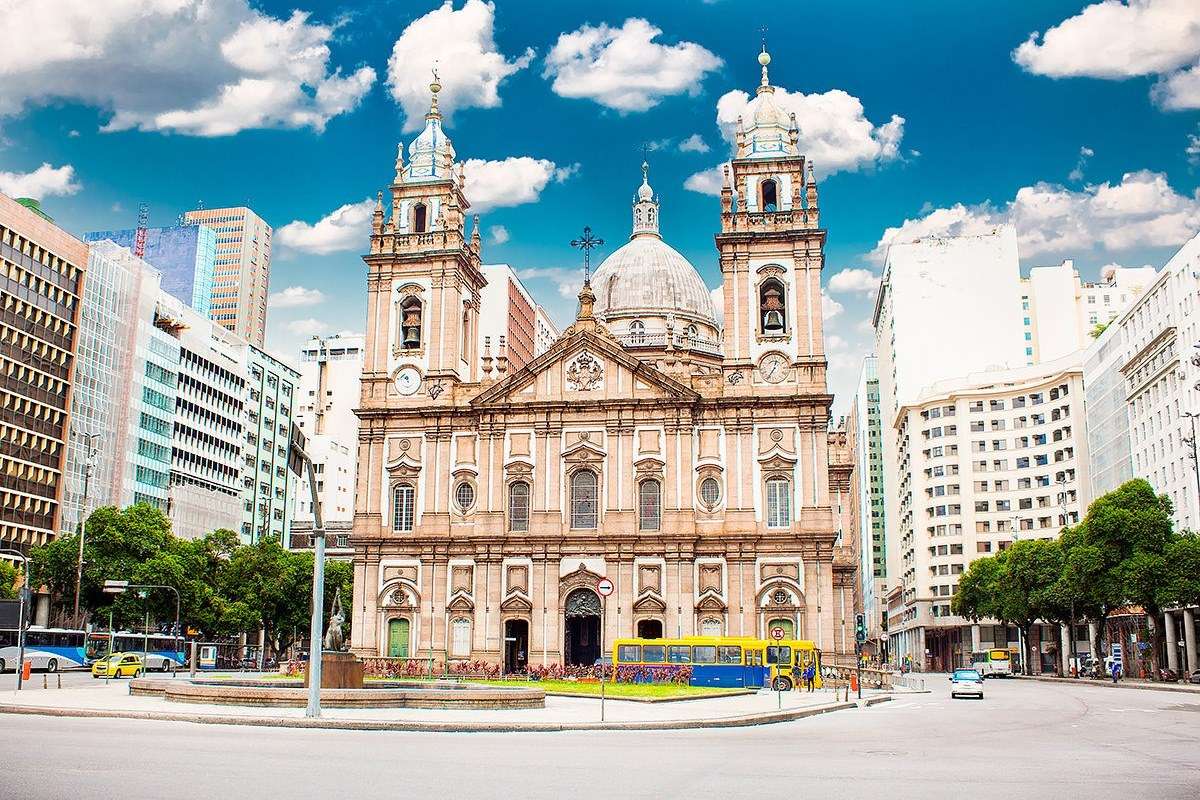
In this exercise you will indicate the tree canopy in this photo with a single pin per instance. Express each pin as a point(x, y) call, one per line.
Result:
point(225, 588)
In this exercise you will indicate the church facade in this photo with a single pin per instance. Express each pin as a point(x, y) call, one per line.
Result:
point(685, 459)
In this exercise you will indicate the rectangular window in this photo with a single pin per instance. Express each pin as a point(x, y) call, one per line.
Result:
point(729, 654)
point(704, 654)
point(679, 654)
point(654, 654)
point(403, 507)
point(629, 653)
point(779, 503)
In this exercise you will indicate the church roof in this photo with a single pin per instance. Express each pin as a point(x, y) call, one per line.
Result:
point(431, 154)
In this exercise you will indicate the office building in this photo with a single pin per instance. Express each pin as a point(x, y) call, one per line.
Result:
point(986, 459)
point(1060, 313)
point(868, 481)
point(242, 273)
point(269, 486)
point(330, 369)
point(509, 315)
point(185, 256)
point(41, 283)
point(1110, 455)
point(545, 332)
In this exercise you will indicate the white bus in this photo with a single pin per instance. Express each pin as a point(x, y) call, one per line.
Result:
point(994, 663)
point(49, 649)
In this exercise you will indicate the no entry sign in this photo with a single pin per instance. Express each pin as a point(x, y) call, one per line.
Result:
point(604, 587)
point(776, 633)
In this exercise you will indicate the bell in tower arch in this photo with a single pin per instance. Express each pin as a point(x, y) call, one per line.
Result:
point(771, 308)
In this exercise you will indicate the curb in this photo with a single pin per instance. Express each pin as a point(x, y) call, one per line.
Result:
point(443, 727)
point(652, 700)
point(1124, 684)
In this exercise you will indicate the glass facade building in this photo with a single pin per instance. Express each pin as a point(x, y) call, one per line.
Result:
point(185, 255)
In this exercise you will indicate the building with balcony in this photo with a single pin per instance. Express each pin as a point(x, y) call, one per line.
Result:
point(42, 271)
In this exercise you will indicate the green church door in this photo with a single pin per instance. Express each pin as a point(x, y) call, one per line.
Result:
point(398, 638)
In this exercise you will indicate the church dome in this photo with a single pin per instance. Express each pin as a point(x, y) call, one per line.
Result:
point(648, 277)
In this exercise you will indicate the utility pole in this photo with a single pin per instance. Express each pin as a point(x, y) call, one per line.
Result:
point(88, 468)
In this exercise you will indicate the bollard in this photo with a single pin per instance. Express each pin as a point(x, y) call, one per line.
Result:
point(45, 681)
point(60, 680)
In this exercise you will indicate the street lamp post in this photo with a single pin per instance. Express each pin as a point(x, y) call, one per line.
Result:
point(89, 467)
point(318, 596)
point(1062, 504)
point(23, 596)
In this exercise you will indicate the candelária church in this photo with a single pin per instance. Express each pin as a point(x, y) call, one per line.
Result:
point(687, 461)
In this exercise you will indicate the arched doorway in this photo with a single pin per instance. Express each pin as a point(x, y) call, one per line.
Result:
point(581, 645)
point(649, 629)
point(516, 645)
point(398, 638)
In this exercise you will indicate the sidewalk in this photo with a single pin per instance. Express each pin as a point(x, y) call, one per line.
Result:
point(1124, 683)
point(560, 713)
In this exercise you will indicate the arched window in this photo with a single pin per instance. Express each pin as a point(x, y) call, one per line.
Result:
point(649, 505)
point(583, 499)
point(771, 306)
point(404, 506)
point(460, 637)
point(779, 503)
point(420, 218)
point(410, 323)
point(637, 332)
point(769, 195)
point(518, 506)
point(690, 333)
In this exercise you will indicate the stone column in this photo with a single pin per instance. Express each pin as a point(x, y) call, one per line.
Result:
point(1172, 640)
point(1064, 635)
point(1189, 640)
point(1093, 631)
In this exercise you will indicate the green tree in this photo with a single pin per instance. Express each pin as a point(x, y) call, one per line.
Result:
point(1182, 586)
point(8, 580)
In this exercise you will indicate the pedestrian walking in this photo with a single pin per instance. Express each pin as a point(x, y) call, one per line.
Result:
point(810, 675)
point(1116, 670)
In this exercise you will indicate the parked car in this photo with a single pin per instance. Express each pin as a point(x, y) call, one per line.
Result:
point(1194, 677)
point(966, 682)
point(119, 665)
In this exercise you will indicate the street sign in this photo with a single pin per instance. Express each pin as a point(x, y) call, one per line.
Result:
point(604, 587)
point(777, 633)
point(116, 584)
point(113, 590)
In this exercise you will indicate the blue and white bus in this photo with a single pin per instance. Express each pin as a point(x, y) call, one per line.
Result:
point(164, 652)
point(49, 649)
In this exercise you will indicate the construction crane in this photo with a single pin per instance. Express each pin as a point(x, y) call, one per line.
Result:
point(139, 239)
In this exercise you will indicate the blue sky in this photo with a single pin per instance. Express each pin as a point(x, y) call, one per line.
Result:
point(927, 117)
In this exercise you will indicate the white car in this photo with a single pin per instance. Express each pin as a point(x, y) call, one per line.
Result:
point(966, 682)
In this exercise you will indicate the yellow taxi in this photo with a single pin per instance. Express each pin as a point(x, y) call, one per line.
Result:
point(118, 665)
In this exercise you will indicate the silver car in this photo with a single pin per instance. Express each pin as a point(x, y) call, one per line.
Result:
point(966, 683)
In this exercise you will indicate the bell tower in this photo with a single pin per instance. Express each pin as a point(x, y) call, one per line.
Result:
point(772, 250)
point(423, 275)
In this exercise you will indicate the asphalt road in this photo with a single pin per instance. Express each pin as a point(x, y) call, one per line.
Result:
point(1026, 739)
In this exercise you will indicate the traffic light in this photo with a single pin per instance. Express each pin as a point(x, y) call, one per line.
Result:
point(860, 628)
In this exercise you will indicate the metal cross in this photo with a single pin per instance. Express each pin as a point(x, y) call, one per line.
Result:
point(586, 243)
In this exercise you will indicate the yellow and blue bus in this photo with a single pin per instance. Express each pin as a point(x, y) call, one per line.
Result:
point(724, 661)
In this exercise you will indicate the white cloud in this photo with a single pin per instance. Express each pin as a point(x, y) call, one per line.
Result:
point(854, 280)
point(834, 130)
point(624, 68)
point(510, 182)
point(1116, 40)
point(1141, 210)
point(1193, 149)
point(463, 46)
point(345, 228)
point(45, 181)
point(295, 297)
point(567, 280)
point(307, 327)
point(717, 296)
point(835, 343)
point(1085, 153)
point(830, 308)
point(200, 67)
point(865, 326)
point(694, 144)
point(498, 234)
point(707, 181)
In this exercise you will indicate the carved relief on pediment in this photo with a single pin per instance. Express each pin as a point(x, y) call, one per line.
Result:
point(777, 465)
point(518, 470)
point(404, 448)
point(400, 595)
point(782, 438)
point(711, 602)
point(710, 577)
point(461, 603)
point(650, 467)
point(516, 603)
point(582, 577)
point(517, 579)
point(584, 373)
point(462, 578)
point(649, 604)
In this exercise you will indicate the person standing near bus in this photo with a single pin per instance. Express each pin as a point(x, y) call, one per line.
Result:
point(1116, 670)
point(810, 673)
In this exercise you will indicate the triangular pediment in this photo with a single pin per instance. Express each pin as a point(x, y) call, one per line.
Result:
point(516, 602)
point(710, 602)
point(650, 602)
point(584, 366)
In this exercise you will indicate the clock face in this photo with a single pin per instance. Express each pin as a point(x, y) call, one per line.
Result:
point(408, 380)
point(773, 367)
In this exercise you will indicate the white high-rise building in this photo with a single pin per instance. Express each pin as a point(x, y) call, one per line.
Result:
point(330, 369)
point(1060, 312)
point(545, 331)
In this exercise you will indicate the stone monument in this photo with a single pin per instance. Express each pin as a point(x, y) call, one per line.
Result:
point(339, 669)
